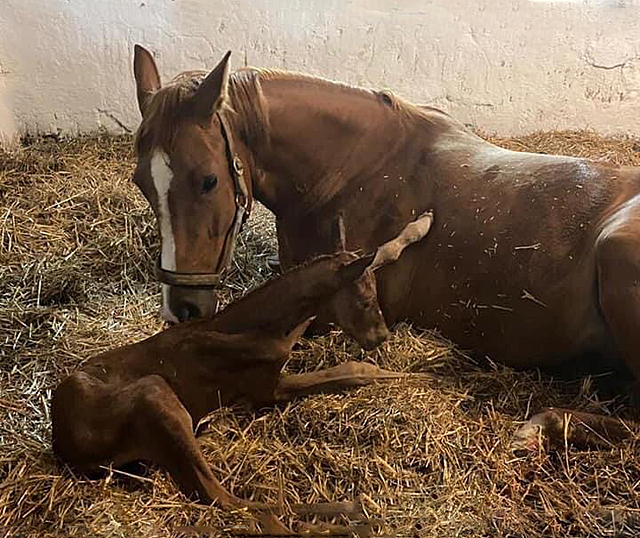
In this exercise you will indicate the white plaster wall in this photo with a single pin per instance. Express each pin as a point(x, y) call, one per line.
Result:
point(507, 66)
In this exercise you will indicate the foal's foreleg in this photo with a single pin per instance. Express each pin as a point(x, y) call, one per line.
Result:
point(344, 376)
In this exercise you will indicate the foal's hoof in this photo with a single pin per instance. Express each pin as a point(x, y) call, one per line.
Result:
point(364, 530)
point(542, 431)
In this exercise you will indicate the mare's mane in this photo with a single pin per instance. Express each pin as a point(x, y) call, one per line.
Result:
point(247, 105)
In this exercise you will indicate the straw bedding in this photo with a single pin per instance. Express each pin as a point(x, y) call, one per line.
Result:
point(429, 456)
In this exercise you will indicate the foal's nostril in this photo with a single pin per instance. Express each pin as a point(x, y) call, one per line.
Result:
point(372, 341)
point(186, 311)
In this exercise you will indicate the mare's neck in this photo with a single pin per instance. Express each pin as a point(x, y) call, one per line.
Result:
point(324, 139)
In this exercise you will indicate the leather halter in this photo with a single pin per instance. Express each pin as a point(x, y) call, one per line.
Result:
point(243, 207)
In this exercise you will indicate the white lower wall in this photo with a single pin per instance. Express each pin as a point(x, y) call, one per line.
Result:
point(507, 66)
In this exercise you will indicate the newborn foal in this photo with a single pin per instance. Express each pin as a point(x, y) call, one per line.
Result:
point(141, 401)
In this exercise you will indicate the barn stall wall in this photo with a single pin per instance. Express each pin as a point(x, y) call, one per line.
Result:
point(507, 66)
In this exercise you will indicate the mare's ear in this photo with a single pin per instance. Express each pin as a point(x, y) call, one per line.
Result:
point(355, 269)
point(146, 74)
point(213, 90)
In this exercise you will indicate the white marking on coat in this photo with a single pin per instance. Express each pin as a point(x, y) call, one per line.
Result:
point(162, 175)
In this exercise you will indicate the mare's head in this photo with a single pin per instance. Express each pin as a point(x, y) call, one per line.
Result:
point(191, 175)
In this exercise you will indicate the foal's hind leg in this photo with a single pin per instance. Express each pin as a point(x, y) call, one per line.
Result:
point(97, 424)
point(162, 432)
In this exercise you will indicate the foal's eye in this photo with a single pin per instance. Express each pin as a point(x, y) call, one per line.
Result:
point(209, 182)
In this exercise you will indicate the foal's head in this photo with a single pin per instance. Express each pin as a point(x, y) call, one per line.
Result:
point(355, 307)
point(190, 174)
point(356, 310)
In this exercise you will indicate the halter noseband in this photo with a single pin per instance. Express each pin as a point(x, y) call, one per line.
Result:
point(241, 198)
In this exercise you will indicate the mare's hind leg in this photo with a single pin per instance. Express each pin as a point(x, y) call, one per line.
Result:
point(618, 273)
point(348, 375)
point(618, 264)
point(557, 427)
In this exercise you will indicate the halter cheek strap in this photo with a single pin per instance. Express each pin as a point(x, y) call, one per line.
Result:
point(243, 208)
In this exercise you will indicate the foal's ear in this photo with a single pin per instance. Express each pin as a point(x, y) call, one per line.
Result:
point(413, 232)
point(294, 334)
point(338, 239)
point(355, 269)
point(213, 90)
point(146, 74)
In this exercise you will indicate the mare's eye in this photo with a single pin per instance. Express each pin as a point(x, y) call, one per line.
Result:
point(209, 182)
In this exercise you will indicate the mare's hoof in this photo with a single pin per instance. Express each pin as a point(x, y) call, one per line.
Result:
point(533, 435)
point(273, 263)
point(529, 438)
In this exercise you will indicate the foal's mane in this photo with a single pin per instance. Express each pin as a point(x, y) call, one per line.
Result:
point(246, 104)
point(239, 303)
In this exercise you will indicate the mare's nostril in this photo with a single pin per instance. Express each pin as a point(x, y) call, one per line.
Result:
point(187, 311)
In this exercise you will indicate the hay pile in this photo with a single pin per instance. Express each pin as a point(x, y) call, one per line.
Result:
point(430, 456)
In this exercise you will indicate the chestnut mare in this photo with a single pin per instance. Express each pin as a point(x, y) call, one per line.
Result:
point(535, 259)
point(140, 402)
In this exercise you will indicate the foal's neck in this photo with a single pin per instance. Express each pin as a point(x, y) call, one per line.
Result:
point(323, 138)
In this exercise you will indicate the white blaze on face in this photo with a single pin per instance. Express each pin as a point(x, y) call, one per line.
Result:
point(162, 175)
